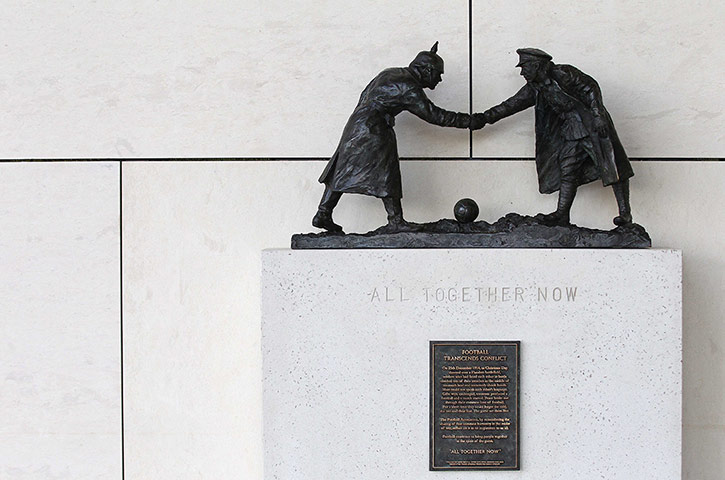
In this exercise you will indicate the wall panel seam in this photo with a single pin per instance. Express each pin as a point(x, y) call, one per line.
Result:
point(324, 159)
point(120, 259)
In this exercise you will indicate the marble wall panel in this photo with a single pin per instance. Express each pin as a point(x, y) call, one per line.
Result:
point(226, 78)
point(279, 79)
point(658, 65)
point(60, 401)
point(193, 233)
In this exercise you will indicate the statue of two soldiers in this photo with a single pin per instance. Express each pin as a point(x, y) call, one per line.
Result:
point(576, 142)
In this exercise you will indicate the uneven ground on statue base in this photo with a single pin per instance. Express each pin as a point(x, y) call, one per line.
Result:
point(511, 231)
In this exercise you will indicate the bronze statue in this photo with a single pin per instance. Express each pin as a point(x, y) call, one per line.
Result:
point(576, 142)
point(366, 160)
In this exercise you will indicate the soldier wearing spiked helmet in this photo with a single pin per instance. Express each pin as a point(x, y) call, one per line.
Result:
point(366, 159)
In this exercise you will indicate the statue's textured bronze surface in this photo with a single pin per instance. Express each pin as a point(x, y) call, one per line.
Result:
point(511, 231)
point(576, 142)
point(366, 160)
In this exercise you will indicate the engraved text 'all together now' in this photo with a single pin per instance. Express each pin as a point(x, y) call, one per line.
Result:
point(474, 294)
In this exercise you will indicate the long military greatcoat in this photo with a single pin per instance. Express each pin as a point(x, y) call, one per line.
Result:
point(366, 160)
point(568, 114)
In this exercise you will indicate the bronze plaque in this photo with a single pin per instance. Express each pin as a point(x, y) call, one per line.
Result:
point(474, 405)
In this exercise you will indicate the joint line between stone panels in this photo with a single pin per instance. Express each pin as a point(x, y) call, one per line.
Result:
point(531, 159)
point(470, 74)
point(324, 159)
point(161, 159)
point(56, 160)
point(120, 265)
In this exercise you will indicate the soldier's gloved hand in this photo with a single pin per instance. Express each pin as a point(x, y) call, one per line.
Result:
point(600, 125)
point(478, 120)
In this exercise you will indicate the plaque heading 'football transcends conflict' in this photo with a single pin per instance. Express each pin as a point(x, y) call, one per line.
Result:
point(474, 405)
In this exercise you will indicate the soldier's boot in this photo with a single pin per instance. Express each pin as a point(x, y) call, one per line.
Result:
point(323, 217)
point(621, 193)
point(567, 191)
point(395, 212)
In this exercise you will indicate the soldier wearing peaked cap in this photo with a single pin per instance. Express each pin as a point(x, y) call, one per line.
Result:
point(366, 160)
point(576, 142)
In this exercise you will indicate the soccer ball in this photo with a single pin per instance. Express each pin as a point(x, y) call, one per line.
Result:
point(465, 210)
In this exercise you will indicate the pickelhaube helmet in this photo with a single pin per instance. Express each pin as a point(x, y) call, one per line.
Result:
point(428, 58)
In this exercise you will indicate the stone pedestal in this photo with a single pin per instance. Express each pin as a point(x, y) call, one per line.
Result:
point(346, 338)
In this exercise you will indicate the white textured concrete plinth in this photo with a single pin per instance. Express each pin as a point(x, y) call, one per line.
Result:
point(346, 369)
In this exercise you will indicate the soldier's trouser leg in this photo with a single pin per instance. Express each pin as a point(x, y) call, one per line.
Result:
point(570, 160)
point(621, 193)
point(323, 217)
point(394, 210)
point(567, 192)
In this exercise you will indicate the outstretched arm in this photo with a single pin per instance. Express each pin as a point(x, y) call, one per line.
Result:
point(524, 98)
point(419, 105)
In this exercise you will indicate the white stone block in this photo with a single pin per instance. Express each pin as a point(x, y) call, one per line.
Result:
point(345, 339)
point(60, 346)
point(193, 233)
point(656, 63)
point(229, 78)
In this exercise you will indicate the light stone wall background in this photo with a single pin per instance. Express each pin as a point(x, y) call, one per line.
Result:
point(277, 80)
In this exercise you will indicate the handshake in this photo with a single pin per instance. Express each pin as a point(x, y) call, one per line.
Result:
point(479, 120)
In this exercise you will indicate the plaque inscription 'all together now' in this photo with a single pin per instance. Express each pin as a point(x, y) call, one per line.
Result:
point(474, 405)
